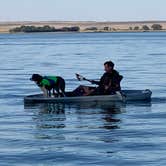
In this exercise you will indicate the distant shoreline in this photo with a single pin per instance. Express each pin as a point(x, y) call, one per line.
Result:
point(88, 26)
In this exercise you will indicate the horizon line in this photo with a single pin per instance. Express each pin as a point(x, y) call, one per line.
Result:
point(104, 21)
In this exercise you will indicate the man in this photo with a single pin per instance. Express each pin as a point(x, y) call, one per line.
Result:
point(48, 83)
point(108, 84)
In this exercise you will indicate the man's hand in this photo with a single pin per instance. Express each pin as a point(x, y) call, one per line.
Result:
point(106, 87)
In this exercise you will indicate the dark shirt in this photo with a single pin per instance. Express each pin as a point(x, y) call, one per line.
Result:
point(109, 79)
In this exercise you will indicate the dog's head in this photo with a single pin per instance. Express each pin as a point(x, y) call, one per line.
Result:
point(36, 78)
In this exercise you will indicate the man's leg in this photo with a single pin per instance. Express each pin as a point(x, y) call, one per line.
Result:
point(88, 90)
point(96, 91)
point(83, 90)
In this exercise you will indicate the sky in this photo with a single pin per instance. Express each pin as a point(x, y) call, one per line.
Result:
point(82, 10)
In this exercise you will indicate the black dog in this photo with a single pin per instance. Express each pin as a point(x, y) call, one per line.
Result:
point(48, 83)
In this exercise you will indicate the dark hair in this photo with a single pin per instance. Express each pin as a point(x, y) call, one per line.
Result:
point(36, 77)
point(109, 63)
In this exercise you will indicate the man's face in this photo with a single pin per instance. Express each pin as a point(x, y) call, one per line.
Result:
point(107, 68)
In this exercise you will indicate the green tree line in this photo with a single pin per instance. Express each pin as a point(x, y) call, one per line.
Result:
point(46, 28)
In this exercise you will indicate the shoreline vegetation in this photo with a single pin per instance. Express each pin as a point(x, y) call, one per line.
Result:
point(46, 28)
point(84, 26)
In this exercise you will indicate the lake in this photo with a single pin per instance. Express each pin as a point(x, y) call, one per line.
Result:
point(84, 133)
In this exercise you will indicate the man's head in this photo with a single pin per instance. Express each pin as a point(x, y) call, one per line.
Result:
point(108, 66)
point(36, 78)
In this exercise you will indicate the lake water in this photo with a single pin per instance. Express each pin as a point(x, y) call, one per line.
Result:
point(87, 134)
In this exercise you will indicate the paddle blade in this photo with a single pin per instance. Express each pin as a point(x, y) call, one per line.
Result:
point(79, 77)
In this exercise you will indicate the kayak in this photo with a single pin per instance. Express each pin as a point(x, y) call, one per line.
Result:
point(123, 96)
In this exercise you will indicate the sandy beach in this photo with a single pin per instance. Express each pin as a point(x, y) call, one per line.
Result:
point(84, 25)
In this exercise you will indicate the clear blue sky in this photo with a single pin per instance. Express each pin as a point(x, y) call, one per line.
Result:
point(96, 10)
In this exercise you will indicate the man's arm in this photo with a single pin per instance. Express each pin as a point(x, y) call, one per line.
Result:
point(95, 82)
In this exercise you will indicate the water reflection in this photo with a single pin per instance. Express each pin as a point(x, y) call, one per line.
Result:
point(105, 112)
point(48, 117)
point(53, 116)
point(52, 108)
point(111, 121)
point(63, 121)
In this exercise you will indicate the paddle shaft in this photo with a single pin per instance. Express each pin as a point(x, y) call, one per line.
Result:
point(88, 80)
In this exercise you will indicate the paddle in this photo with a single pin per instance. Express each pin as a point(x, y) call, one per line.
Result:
point(81, 78)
